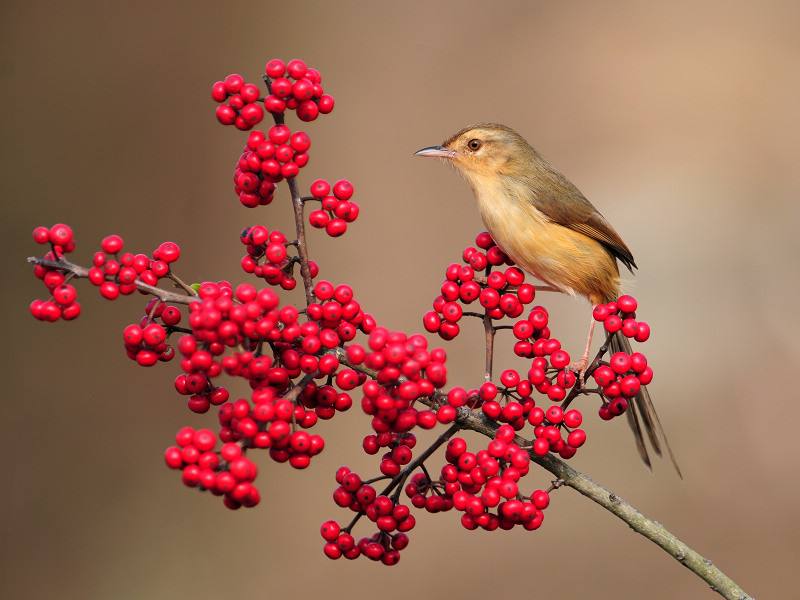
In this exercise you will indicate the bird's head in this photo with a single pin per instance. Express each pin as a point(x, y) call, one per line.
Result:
point(484, 150)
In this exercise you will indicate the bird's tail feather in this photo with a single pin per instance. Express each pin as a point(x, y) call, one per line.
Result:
point(642, 406)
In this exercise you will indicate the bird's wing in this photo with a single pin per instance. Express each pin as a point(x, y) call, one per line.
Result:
point(563, 203)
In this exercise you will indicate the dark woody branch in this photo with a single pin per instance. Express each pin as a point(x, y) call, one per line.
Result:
point(475, 421)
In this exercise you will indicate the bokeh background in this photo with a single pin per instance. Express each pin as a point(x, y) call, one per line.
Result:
point(679, 120)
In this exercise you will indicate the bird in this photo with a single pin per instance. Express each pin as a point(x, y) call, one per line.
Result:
point(542, 221)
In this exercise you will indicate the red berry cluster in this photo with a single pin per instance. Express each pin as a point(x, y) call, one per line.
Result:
point(303, 363)
point(115, 272)
point(429, 495)
point(513, 404)
point(621, 316)
point(392, 519)
point(267, 256)
point(501, 293)
point(247, 318)
point(270, 422)
point(59, 237)
point(146, 342)
point(62, 303)
point(336, 210)
point(297, 87)
point(621, 379)
point(406, 372)
point(550, 371)
point(624, 375)
point(238, 102)
point(335, 319)
point(268, 158)
point(227, 472)
point(224, 318)
point(489, 479)
point(549, 428)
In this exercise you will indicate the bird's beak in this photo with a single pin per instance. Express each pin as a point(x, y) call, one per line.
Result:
point(439, 151)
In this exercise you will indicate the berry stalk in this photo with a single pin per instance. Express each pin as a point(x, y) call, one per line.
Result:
point(298, 209)
point(64, 266)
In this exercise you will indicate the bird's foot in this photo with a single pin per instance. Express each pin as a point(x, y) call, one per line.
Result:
point(579, 368)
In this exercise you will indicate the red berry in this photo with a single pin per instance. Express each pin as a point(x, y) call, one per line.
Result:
point(60, 234)
point(274, 104)
point(109, 290)
point(325, 104)
point(279, 134)
point(343, 189)
point(303, 90)
point(307, 111)
point(41, 235)
point(620, 362)
point(612, 324)
point(275, 68)
point(627, 304)
point(233, 83)
point(642, 332)
point(336, 227)
point(65, 294)
point(169, 252)
point(225, 114)
point(330, 531)
point(576, 438)
point(630, 386)
point(249, 93)
point(300, 141)
point(111, 244)
point(603, 375)
point(573, 418)
point(296, 68)
point(559, 359)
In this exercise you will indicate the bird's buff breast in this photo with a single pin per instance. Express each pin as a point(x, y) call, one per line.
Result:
point(557, 255)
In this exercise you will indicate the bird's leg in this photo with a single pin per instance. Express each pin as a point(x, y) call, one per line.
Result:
point(582, 364)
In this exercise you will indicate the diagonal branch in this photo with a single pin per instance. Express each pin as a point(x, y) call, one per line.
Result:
point(582, 483)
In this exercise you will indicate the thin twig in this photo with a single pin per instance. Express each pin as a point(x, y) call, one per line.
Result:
point(182, 284)
point(298, 206)
point(578, 389)
point(294, 393)
point(409, 468)
point(489, 331)
point(77, 271)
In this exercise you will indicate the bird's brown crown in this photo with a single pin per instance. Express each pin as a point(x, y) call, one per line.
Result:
point(489, 148)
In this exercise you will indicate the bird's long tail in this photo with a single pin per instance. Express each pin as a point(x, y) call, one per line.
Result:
point(642, 415)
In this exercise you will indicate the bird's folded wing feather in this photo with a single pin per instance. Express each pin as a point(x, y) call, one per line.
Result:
point(563, 203)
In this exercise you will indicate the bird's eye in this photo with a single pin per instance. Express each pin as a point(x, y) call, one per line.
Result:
point(474, 144)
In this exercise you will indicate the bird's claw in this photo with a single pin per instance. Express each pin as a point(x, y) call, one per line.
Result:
point(579, 368)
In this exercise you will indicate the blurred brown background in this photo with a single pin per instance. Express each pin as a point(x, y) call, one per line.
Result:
point(681, 122)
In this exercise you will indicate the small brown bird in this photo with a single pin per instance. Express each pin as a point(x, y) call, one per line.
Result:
point(544, 223)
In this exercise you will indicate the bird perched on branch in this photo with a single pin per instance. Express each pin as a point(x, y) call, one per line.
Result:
point(544, 223)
